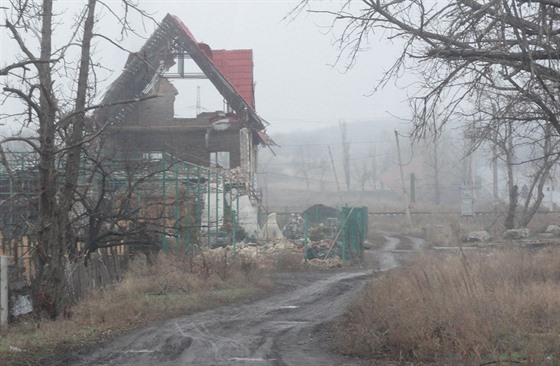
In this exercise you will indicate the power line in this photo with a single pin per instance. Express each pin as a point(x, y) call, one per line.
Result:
point(336, 143)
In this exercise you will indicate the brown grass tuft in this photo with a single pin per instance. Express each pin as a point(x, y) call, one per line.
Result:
point(471, 309)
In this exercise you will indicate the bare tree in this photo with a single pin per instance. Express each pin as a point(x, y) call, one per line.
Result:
point(361, 173)
point(323, 167)
point(54, 85)
point(303, 165)
point(459, 49)
point(463, 52)
point(529, 150)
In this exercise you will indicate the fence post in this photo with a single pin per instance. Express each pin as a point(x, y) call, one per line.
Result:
point(305, 235)
point(4, 291)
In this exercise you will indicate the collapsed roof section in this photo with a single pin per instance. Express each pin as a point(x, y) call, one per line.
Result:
point(227, 70)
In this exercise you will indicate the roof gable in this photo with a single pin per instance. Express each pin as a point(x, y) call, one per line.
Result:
point(231, 73)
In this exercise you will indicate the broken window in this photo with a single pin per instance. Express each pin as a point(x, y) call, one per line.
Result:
point(220, 158)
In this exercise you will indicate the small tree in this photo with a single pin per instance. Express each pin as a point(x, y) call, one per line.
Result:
point(528, 150)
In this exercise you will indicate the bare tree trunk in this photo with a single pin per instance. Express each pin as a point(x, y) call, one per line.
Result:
point(437, 189)
point(509, 222)
point(74, 143)
point(53, 210)
point(495, 172)
point(47, 286)
point(530, 206)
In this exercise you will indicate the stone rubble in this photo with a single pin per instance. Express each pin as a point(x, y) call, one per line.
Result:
point(265, 253)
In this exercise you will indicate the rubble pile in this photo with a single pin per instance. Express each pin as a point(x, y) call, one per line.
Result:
point(266, 254)
point(320, 249)
point(269, 249)
point(325, 263)
point(311, 238)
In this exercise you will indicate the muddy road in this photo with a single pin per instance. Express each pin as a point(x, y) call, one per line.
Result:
point(289, 328)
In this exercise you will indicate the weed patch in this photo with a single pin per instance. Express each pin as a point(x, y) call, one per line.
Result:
point(461, 309)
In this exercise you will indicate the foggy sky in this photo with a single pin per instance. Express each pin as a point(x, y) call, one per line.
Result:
point(299, 84)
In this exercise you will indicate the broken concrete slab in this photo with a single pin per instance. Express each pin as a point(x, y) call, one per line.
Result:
point(517, 234)
point(478, 236)
point(270, 230)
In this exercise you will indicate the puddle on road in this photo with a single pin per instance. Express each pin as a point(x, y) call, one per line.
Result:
point(281, 309)
point(248, 359)
point(387, 259)
point(287, 324)
point(417, 243)
point(139, 351)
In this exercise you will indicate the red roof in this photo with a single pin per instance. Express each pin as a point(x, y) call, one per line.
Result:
point(237, 67)
point(233, 77)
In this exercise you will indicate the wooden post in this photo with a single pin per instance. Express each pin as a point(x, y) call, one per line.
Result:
point(4, 291)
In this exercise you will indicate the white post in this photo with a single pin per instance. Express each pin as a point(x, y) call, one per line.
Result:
point(4, 291)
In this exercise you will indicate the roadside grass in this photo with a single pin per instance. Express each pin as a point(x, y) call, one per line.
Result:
point(482, 308)
point(172, 286)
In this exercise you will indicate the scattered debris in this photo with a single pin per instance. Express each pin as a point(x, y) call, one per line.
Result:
point(21, 306)
point(271, 231)
point(517, 234)
point(327, 263)
point(553, 229)
point(294, 227)
point(478, 236)
point(320, 242)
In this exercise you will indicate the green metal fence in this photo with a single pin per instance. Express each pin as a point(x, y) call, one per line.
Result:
point(348, 231)
point(354, 232)
point(193, 205)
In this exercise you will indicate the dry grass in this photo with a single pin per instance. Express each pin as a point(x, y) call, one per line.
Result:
point(461, 310)
point(438, 229)
point(289, 262)
point(172, 286)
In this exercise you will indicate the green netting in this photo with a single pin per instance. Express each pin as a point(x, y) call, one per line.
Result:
point(354, 231)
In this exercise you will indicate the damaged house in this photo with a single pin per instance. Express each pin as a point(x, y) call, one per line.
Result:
point(152, 178)
point(225, 142)
point(228, 138)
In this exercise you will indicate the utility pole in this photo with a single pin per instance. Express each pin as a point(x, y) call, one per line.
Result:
point(345, 154)
point(495, 168)
point(334, 170)
point(198, 108)
point(406, 201)
point(437, 190)
point(305, 173)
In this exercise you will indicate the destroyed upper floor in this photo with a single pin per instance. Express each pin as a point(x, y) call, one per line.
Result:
point(152, 125)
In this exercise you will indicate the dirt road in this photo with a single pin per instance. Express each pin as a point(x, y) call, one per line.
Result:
point(290, 328)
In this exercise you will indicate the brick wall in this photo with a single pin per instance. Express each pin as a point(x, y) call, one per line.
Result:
point(151, 127)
